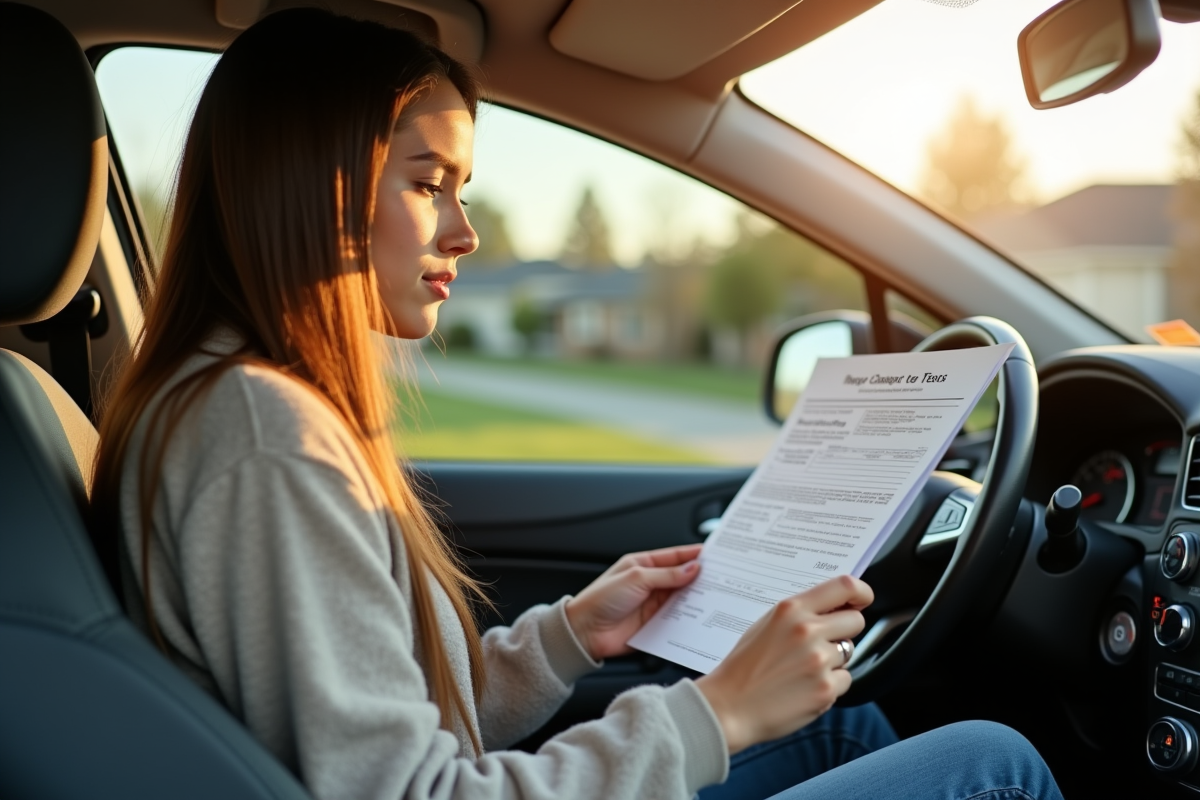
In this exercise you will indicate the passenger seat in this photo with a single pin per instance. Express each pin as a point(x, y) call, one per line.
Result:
point(88, 709)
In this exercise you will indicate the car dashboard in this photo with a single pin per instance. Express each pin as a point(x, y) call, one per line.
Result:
point(1120, 423)
point(1116, 441)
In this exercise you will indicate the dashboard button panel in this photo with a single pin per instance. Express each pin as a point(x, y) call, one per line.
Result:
point(1178, 686)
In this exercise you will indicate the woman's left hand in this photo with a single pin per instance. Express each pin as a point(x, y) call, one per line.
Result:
point(616, 605)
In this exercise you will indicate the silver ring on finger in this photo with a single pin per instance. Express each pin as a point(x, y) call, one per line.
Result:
point(846, 649)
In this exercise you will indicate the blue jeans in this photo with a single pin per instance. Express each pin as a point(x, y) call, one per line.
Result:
point(852, 753)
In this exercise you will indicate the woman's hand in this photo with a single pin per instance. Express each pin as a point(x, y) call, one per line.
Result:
point(616, 605)
point(784, 671)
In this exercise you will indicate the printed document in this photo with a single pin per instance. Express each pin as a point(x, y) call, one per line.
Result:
point(849, 461)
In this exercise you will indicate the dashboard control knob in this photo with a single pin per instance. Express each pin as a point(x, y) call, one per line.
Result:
point(1117, 637)
point(1175, 627)
point(1180, 555)
point(1171, 745)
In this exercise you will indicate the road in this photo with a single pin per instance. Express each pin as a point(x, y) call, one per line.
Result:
point(725, 430)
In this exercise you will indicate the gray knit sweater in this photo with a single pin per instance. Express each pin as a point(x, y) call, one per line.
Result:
point(280, 584)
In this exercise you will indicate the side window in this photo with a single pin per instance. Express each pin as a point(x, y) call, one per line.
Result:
point(149, 94)
point(616, 310)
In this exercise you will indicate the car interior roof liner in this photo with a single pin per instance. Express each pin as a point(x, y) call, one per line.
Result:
point(643, 38)
point(458, 24)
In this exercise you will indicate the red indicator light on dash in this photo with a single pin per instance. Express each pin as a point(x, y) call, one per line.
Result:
point(1170, 740)
point(1158, 601)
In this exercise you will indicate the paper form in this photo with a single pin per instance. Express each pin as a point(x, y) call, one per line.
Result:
point(848, 463)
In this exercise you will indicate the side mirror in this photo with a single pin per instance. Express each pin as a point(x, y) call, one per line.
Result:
point(1081, 48)
point(830, 335)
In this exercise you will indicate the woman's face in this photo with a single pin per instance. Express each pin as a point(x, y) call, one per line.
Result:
point(420, 227)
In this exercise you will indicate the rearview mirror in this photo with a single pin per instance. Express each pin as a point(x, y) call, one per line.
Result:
point(1080, 48)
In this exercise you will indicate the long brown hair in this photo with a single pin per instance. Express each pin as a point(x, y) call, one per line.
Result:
point(270, 238)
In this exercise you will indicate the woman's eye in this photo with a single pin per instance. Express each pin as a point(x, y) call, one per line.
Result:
point(430, 189)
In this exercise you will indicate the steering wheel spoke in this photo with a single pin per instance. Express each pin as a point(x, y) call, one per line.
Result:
point(869, 647)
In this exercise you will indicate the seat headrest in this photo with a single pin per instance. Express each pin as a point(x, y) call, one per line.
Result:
point(54, 163)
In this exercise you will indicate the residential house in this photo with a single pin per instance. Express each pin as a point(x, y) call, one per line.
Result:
point(584, 312)
point(1108, 247)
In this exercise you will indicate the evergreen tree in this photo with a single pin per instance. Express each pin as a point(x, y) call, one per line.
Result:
point(588, 244)
point(972, 167)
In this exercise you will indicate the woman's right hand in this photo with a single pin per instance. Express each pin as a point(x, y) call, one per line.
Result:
point(785, 671)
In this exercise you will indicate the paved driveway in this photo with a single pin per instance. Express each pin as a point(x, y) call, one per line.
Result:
point(721, 429)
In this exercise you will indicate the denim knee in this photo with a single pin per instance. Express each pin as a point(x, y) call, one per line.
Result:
point(1002, 752)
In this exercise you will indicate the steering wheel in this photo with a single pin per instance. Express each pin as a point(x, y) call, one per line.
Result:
point(881, 660)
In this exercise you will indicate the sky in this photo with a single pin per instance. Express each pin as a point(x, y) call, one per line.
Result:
point(876, 89)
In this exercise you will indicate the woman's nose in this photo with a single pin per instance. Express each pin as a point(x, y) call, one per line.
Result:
point(458, 238)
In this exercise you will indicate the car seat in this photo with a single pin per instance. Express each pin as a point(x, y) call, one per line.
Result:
point(88, 708)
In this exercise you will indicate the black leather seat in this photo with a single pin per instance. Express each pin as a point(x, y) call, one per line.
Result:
point(88, 708)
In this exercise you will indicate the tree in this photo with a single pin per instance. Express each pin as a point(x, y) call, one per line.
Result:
point(1184, 275)
point(744, 288)
point(971, 166)
point(588, 243)
point(527, 321)
point(741, 293)
point(769, 269)
point(490, 224)
point(156, 213)
point(1189, 147)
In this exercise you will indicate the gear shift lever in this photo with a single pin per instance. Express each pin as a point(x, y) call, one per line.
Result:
point(1065, 543)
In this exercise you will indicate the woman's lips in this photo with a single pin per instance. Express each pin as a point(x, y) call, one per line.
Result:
point(439, 287)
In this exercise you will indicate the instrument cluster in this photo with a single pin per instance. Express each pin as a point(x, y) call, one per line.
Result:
point(1131, 485)
point(1121, 446)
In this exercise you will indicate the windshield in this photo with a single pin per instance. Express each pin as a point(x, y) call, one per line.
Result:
point(1099, 199)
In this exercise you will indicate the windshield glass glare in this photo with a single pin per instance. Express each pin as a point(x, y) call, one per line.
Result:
point(1100, 199)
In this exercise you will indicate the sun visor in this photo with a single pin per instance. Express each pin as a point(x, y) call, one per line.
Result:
point(659, 40)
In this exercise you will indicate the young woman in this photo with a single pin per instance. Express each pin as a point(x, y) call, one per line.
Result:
point(275, 550)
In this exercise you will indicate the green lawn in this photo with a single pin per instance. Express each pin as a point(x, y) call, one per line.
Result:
point(688, 378)
point(451, 428)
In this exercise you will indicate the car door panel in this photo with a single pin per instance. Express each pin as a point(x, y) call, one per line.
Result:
point(534, 533)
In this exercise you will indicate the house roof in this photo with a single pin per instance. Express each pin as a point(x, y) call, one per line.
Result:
point(1136, 215)
point(472, 277)
point(550, 283)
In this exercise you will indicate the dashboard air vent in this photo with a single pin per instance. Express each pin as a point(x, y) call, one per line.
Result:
point(1191, 478)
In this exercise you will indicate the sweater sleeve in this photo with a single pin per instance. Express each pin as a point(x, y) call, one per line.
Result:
point(538, 661)
point(289, 581)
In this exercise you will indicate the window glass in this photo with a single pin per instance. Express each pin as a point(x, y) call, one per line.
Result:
point(149, 95)
point(1099, 199)
point(913, 315)
point(616, 310)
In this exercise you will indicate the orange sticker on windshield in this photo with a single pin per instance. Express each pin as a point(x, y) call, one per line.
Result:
point(1175, 333)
